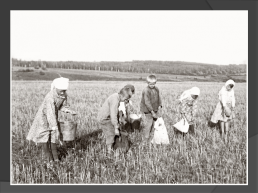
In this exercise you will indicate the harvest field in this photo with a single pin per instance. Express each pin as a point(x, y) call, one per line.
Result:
point(200, 158)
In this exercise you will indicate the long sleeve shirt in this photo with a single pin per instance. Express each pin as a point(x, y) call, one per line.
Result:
point(53, 104)
point(151, 100)
point(46, 117)
point(188, 107)
point(109, 110)
point(50, 112)
point(227, 97)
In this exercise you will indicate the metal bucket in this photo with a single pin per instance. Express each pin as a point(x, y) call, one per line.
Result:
point(68, 130)
point(67, 126)
point(135, 121)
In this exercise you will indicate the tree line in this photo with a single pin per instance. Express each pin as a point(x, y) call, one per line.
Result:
point(136, 66)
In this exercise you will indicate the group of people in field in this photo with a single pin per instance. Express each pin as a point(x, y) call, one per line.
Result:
point(44, 130)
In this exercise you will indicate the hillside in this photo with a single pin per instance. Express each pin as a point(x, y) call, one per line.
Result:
point(135, 66)
point(21, 73)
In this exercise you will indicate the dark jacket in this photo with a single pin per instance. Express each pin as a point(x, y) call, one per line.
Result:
point(151, 100)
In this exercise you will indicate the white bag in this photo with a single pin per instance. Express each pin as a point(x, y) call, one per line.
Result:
point(160, 132)
point(122, 108)
point(182, 125)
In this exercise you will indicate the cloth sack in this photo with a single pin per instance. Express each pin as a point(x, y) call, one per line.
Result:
point(182, 125)
point(160, 132)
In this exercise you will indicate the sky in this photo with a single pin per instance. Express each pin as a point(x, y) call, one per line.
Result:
point(214, 37)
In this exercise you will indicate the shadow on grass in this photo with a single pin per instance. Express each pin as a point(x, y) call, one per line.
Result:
point(81, 143)
point(96, 138)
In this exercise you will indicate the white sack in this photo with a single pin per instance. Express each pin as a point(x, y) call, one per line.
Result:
point(160, 132)
point(182, 125)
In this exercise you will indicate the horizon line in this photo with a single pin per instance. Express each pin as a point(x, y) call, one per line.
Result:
point(98, 61)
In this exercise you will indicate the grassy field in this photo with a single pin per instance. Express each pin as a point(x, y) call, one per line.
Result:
point(200, 158)
point(87, 75)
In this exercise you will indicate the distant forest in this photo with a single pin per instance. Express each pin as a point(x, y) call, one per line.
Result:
point(145, 66)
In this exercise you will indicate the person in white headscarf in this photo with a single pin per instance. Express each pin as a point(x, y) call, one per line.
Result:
point(60, 83)
point(44, 129)
point(187, 106)
point(224, 111)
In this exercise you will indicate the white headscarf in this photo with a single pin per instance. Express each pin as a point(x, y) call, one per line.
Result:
point(225, 95)
point(230, 82)
point(186, 94)
point(60, 83)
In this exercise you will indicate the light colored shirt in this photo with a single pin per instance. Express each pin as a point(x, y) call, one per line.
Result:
point(227, 97)
point(109, 110)
point(46, 117)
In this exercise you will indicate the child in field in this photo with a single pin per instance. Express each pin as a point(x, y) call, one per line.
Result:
point(150, 106)
point(44, 130)
point(108, 114)
point(187, 107)
point(224, 111)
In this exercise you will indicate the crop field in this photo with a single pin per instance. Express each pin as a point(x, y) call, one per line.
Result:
point(198, 158)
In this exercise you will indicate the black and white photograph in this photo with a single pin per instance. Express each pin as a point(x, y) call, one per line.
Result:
point(129, 97)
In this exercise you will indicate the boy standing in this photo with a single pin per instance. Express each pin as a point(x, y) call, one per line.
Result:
point(150, 105)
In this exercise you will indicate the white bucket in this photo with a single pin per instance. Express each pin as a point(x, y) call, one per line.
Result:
point(135, 121)
point(135, 116)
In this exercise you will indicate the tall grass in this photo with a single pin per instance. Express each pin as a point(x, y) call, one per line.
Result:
point(202, 157)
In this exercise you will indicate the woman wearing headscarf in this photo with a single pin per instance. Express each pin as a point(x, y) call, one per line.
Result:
point(63, 98)
point(187, 106)
point(44, 129)
point(224, 110)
